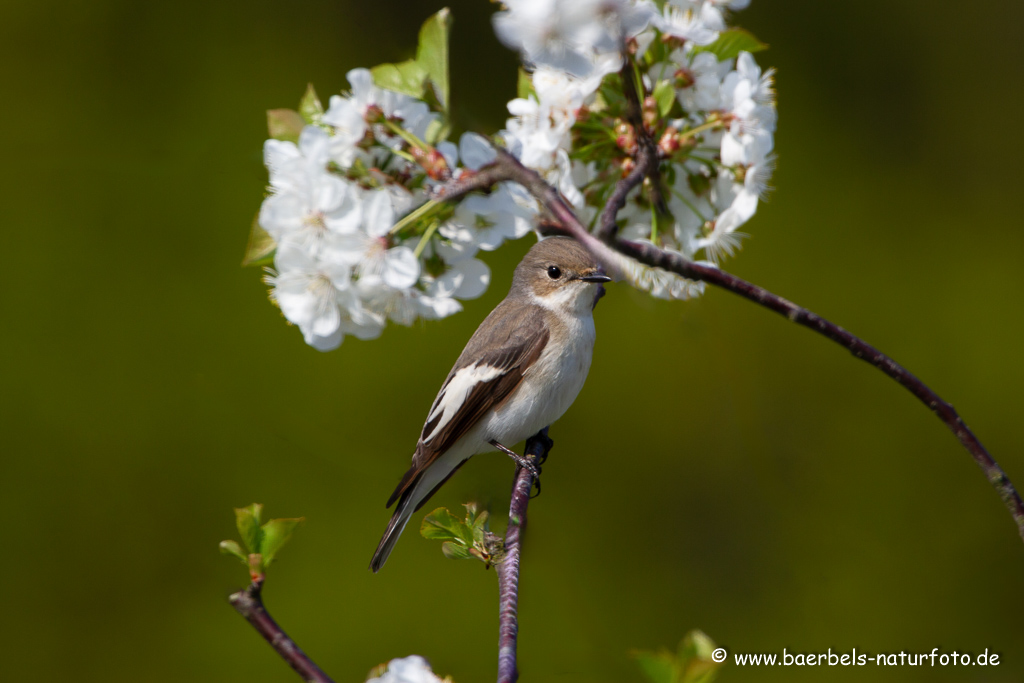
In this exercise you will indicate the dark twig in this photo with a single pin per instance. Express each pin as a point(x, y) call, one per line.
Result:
point(250, 605)
point(537, 448)
point(653, 256)
point(471, 181)
point(611, 250)
point(646, 158)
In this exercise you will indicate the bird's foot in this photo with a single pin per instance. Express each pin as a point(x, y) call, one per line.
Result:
point(527, 464)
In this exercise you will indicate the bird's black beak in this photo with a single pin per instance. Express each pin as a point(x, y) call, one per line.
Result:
point(596, 277)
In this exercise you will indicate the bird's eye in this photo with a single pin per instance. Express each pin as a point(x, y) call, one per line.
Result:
point(554, 272)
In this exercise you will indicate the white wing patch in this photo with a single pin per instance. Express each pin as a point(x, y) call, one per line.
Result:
point(455, 393)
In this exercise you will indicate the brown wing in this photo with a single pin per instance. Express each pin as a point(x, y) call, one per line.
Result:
point(522, 337)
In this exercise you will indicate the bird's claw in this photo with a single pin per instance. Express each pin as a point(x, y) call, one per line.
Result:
point(548, 444)
point(531, 465)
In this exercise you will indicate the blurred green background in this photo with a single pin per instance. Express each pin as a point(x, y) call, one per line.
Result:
point(722, 469)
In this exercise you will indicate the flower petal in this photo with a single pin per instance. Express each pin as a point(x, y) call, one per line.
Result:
point(401, 268)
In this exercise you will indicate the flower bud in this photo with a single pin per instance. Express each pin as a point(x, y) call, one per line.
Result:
point(625, 137)
point(650, 111)
point(433, 162)
point(374, 114)
point(669, 142)
point(683, 78)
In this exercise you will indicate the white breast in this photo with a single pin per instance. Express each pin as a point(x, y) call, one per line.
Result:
point(550, 385)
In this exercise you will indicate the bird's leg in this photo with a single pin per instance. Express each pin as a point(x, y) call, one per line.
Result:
point(525, 463)
point(548, 444)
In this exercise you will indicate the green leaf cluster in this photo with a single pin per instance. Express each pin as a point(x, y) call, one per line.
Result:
point(690, 663)
point(464, 538)
point(261, 541)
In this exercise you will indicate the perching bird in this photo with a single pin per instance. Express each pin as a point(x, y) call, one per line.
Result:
point(520, 371)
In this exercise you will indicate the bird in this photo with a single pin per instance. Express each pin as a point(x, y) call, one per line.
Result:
point(519, 372)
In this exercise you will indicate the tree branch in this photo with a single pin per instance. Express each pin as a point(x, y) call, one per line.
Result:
point(646, 164)
point(610, 252)
point(537, 448)
point(249, 604)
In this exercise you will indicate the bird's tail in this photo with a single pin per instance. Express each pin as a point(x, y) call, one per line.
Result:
point(415, 489)
point(395, 527)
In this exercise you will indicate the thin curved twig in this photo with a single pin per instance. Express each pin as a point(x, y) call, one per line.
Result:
point(537, 448)
point(249, 604)
point(653, 256)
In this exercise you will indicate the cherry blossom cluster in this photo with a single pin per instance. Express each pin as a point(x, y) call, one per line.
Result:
point(352, 231)
point(705, 101)
point(344, 262)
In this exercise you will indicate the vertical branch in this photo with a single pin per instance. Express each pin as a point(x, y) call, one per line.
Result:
point(249, 604)
point(646, 157)
point(536, 451)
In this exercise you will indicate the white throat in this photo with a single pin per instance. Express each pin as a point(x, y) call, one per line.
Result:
point(570, 300)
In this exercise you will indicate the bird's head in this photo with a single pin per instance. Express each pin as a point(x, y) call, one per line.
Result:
point(560, 274)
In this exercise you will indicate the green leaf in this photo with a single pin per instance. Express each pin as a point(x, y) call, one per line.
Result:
point(432, 53)
point(731, 43)
point(408, 77)
point(276, 533)
point(524, 86)
point(310, 108)
point(248, 521)
point(692, 663)
point(454, 550)
point(285, 124)
point(695, 662)
point(478, 525)
point(232, 548)
point(665, 96)
point(658, 667)
point(261, 245)
point(696, 645)
point(442, 525)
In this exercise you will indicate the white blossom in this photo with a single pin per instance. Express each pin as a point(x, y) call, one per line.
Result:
point(411, 669)
point(495, 218)
point(705, 93)
point(370, 250)
point(713, 11)
point(348, 116)
point(457, 242)
point(539, 133)
point(404, 305)
point(308, 205)
point(466, 279)
point(475, 151)
point(316, 295)
point(574, 36)
point(689, 21)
